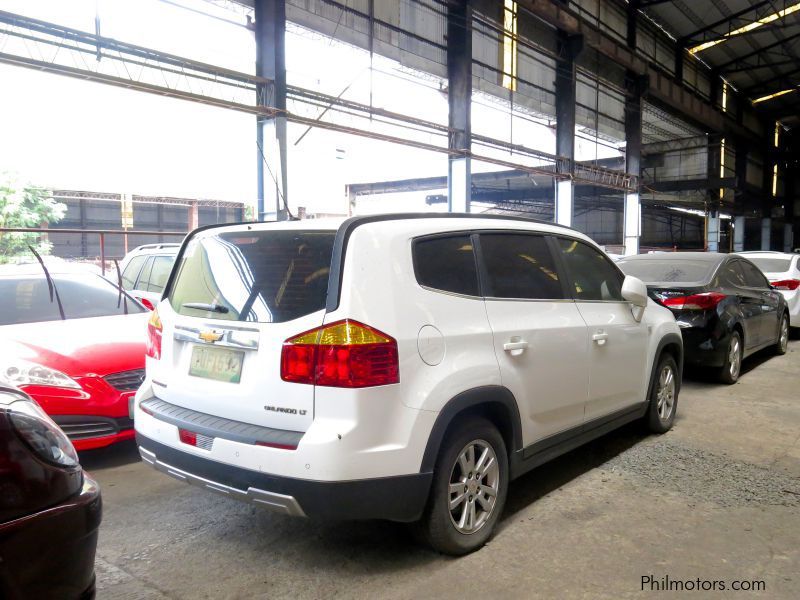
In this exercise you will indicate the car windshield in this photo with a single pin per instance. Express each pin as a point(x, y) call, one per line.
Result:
point(263, 276)
point(668, 271)
point(771, 265)
point(26, 298)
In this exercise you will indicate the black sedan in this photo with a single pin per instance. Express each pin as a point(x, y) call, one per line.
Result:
point(50, 510)
point(723, 304)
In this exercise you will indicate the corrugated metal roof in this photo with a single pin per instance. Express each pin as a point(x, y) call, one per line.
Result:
point(758, 51)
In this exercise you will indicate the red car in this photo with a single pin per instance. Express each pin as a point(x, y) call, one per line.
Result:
point(75, 343)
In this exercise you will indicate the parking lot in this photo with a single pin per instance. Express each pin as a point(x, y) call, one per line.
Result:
point(716, 499)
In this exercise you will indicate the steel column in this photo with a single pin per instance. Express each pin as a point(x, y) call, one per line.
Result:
point(569, 46)
point(767, 200)
point(635, 86)
point(459, 99)
point(270, 33)
point(713, 199)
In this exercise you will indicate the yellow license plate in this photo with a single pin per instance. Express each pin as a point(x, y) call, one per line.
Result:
point(216, 363)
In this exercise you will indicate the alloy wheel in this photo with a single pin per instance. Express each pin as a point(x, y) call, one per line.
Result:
point(474, 485)
point(784, 335)
point(734, 357)
point(665, 394)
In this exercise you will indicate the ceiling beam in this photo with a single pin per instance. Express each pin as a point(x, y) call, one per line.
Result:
point(723, 68)
point(748, 91)
point(690, 38)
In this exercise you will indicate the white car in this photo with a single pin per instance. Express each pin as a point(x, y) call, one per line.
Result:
point(783, 271)
point(145, 270)
point(401, 367)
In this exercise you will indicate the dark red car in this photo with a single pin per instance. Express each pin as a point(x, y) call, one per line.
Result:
point(50, 510)
point(78, 350)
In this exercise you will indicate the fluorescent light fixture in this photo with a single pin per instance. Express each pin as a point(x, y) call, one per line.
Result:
point(749, 27)
point(775, 95)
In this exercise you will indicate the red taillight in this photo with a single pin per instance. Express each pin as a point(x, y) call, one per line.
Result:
point(154, 331)
point(343, 354)
point(187, 437)
point(147, 304)
point(786, 284)
point(702, 301)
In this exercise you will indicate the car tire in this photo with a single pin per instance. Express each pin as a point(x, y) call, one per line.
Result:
point(663, 401)
point(447, 529)
point(732, 367)
point(782, 345)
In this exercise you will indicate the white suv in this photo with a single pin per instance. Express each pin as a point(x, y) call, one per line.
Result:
point(400, 367)
point(145, 270)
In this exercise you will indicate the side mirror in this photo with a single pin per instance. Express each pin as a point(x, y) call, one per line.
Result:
point(635, 291)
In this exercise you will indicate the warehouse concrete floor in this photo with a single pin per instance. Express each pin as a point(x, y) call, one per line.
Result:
point(716, 499)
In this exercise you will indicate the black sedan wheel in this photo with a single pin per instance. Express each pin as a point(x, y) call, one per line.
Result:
point(783, 335)
point(733, 360)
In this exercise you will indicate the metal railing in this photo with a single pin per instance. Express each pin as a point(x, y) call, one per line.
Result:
point(102, 233)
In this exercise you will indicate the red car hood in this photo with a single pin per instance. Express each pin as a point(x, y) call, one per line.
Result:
point(79, 347)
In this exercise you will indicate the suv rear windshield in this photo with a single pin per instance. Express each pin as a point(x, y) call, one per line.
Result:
point(26, 299)
point(261, 276)
point(673, 270)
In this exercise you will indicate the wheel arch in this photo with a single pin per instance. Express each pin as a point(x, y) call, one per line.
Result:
point(493, 402)
point(671, 343)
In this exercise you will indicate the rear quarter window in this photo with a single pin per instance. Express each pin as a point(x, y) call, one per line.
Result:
point(446, 264)
point(264, 276)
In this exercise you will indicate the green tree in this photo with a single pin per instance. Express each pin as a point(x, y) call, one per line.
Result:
point(25, 206)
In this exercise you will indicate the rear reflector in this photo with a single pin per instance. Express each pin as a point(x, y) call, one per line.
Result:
point(786, 284)
point(702, 301)
point(278, 446)
point(187, 437)
point(343, 354)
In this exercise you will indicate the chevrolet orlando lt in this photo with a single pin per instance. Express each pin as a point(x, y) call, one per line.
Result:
point(401, 367)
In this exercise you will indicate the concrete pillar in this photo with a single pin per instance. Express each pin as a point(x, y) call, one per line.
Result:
point(569, 47)
point(635, 87)
point(564, 202)
point(459, 99)
point(194, 215)
point(739, 225)
point(270, 33)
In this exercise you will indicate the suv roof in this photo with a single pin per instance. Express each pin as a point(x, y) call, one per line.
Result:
point(345, 227)
point(160, 246)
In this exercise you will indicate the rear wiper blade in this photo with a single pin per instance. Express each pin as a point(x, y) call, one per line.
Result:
point(204, 306)
point(50, 284)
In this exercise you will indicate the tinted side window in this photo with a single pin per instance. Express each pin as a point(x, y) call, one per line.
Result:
point(144, 276)
point(752, 276)
point(730, 274)
point(520, 266)
point(592, 274)
point(131, 271)
point(162, 265)
point(447, 264)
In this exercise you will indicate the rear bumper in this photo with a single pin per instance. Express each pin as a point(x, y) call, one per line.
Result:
point(398, 498)
point(51, 554)
point(704, 347)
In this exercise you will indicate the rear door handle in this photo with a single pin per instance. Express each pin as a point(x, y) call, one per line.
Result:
point(600, 338)
point(519, 346)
